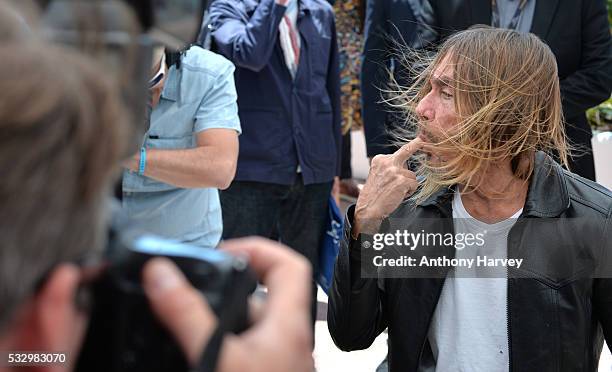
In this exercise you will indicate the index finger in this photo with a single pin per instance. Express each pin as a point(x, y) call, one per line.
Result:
point(286, 273)
point(178, 306)
point(405, 152)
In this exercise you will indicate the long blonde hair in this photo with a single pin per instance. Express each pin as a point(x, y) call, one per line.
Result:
point(508, 102)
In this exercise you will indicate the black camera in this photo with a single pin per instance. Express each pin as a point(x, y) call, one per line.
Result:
point(123, 333)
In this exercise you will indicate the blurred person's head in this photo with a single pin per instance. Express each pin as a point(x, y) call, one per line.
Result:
point(62, 135)
point(490, 98)
point(13, 24)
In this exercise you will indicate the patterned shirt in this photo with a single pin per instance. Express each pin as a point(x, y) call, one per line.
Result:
point(350, 46)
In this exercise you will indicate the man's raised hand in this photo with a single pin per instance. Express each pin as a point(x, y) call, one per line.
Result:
point(389, 183)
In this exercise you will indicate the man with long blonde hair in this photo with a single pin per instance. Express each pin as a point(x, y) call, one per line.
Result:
point(490, 256)
point(577, 32)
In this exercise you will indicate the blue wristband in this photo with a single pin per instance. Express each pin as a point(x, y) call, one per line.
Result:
point(143, 161)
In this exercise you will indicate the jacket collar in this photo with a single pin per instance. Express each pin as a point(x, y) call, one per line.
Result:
point(547, 195)
point(307, 5)
point(171, 85)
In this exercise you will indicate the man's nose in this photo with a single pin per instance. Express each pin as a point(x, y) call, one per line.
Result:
point(423, 109)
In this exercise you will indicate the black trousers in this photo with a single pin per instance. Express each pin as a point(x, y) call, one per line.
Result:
point(345, 167)
point(295, 215)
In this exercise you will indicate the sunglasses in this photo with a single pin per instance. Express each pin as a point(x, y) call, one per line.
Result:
point(157, 78)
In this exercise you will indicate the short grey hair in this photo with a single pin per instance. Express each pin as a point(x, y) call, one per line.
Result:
point(13, 24)
point(62, 134)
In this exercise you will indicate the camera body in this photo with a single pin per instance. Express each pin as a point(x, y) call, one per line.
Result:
point(124, 334)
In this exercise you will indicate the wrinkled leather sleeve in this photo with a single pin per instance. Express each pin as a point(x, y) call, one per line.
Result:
point(602, 291)
point(355, 316)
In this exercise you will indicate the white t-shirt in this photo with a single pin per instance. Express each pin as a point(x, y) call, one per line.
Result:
point(469, 331)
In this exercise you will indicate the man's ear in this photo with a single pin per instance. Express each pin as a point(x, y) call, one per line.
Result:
point(50, 320)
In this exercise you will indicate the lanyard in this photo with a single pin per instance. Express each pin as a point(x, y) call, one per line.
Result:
point(495, 20)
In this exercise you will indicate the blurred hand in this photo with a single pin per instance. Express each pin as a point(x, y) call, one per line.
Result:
point(132, 162)
point(179, 306)
point(280, 338)
point(282, 2)
point(389, 183)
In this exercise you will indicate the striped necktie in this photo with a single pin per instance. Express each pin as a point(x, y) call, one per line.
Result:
point(289, 37)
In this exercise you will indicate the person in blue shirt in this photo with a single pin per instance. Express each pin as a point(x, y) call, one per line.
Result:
point(287, 77)
point(189, 151)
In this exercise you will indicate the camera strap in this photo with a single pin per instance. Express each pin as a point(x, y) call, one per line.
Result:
point(210, 356)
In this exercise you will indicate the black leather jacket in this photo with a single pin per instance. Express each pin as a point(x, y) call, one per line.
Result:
point(559, 302)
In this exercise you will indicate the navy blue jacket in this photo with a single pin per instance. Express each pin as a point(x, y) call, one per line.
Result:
point(389, 25)
point(285, 122)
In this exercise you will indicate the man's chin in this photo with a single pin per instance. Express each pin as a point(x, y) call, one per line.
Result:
point(433, 158)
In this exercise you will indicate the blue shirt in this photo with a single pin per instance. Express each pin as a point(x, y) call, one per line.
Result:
point(286, 122)
point(200, 95)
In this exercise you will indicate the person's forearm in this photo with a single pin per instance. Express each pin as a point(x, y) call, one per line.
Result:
point(189, 168)
point(334, 93)
point(427, 30)
point(375, 77)
point(585, 89)
point(249, 44)
point(591, 83)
